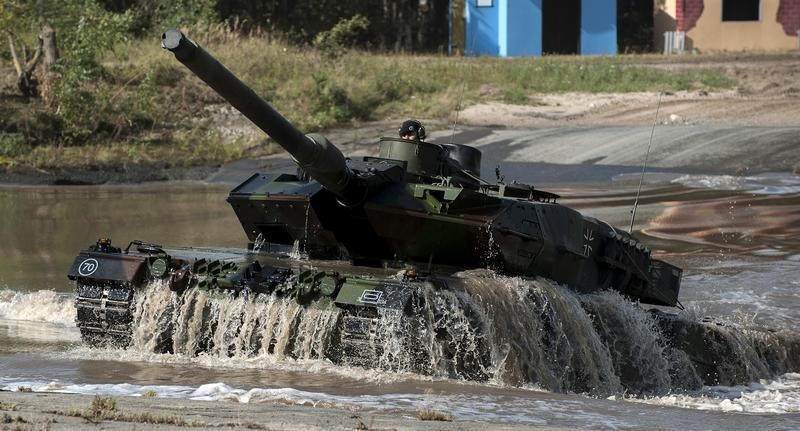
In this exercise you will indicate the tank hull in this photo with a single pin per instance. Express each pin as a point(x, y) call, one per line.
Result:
point(245, 303)
point(110, 289)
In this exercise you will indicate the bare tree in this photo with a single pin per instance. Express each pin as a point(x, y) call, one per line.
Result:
point(50, 55)
point(24, 66)
point(28, 83)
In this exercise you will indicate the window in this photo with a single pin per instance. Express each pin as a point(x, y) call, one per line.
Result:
point(483, 3)
point(741, 10)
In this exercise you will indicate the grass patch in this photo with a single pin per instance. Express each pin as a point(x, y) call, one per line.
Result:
point(434, 415)
point(105, 408)
point(102, 405)
point(247, 425)
point(184, 149)
point(149, 394)
point(8, 419)
point(8, 406)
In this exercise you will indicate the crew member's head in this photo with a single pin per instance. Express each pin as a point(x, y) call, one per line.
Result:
point(412, 130)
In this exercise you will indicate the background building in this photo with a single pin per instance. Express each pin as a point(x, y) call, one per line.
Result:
point(535, 27)
point(728, 25)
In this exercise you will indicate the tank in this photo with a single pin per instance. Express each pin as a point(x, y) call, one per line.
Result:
point(376, 235)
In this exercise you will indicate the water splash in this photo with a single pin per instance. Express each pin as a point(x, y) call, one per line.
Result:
point(298, 251)
point(151, 313)
point(39, 306)
point(444, 335)
point(641, 356)
point(226, 325)
point(259, 243)
point(479, 326)
point(305, 227)
point(543, 335)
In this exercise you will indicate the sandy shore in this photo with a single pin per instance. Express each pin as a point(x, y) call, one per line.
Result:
point(46, 411)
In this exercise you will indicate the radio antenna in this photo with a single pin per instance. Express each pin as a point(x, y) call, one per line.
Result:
point(463, 85)
point(644, 166)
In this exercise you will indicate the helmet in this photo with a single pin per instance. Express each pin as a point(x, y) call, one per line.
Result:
point(412, 126)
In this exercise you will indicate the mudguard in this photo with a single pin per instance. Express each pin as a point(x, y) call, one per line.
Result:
point(109, 267)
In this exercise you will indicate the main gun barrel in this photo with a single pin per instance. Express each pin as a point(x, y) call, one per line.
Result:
point(314, 153)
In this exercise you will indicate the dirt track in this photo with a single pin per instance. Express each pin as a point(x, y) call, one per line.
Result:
point(752, 128)
point(767, 94)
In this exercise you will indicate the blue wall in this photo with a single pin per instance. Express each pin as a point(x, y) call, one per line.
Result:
point(524, 28)
point(598, 27)
point(514, 28)
point(482, 28)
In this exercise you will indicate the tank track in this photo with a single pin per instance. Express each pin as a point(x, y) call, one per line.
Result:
point(104, 312)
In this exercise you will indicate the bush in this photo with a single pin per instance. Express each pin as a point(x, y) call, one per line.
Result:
point(13, 145)
point(101, 405)
point(332, 101)
point(346, 34)
point(156, 15)
point(96, 31)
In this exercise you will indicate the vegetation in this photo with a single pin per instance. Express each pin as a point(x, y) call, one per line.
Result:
point(8, 406)
point(102, 405)
point(114, 99)
point(105, 408)
point(8, 419)
point(434, 415)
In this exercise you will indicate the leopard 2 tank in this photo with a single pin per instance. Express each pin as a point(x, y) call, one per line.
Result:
point(378, 235)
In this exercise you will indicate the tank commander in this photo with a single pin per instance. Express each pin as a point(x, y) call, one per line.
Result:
point(412, 130)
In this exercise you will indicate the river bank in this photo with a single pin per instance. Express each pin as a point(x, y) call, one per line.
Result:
point(601, 135)
point(51, 411)
point(541, 155)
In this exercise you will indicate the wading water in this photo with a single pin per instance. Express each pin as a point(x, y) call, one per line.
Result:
point(600, 345)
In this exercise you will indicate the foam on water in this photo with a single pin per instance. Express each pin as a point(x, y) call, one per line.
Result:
point(778, 396)
point(39, 306)
point(764, 184)
point(462, 406)
point(781, 395)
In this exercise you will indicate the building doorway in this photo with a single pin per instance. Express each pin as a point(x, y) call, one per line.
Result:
point(561, 26)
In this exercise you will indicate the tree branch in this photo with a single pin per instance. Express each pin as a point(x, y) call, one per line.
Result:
point(14, 58)
point(36, 55)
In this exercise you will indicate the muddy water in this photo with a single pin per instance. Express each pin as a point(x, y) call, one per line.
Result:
point(43, 226)
point(737, 240)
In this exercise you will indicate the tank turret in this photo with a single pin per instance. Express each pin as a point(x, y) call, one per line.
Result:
point(422, 203)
